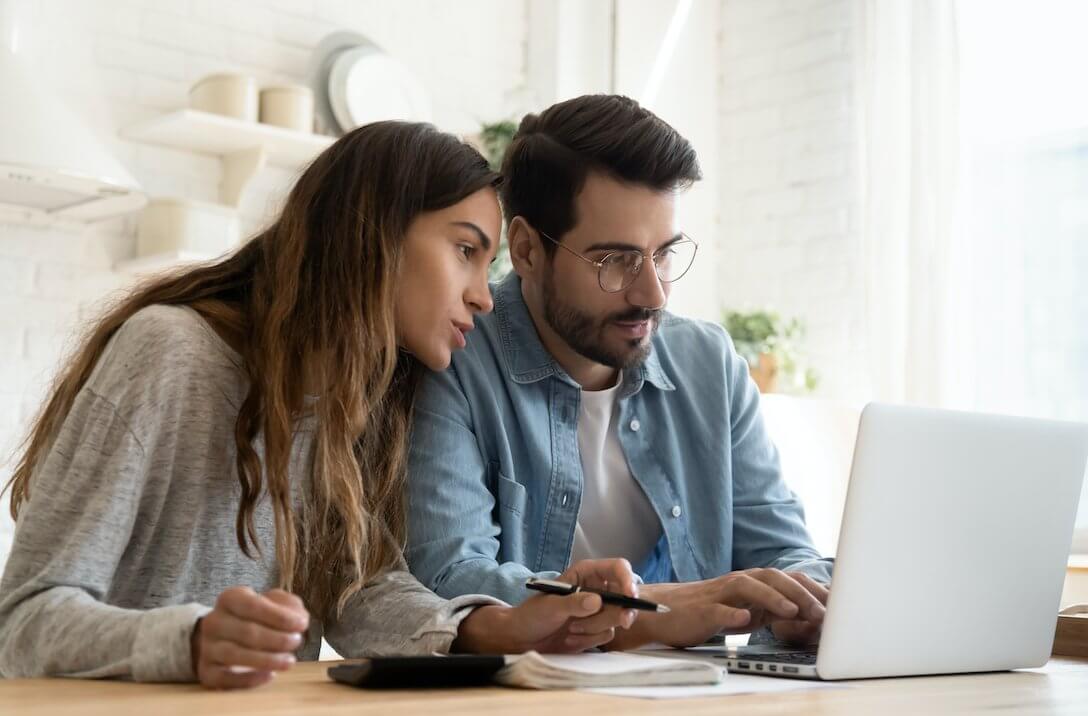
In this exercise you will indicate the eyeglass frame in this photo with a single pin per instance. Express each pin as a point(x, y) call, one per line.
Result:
point(642, 259)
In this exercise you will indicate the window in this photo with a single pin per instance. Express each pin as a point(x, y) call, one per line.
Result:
point(1022, 271)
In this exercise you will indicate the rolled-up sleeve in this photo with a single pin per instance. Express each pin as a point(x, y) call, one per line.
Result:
point(396, 615)
point(453, 536)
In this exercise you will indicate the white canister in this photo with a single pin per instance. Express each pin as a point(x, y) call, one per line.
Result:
point(288, 106)
point(231, 95)
point(201, 228)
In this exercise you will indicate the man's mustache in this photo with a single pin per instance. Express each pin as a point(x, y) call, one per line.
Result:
point(635, 315)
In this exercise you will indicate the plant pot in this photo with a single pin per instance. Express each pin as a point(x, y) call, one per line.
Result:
point(765, 372)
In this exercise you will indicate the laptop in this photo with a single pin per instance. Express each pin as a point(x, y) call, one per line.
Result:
point(953, 548)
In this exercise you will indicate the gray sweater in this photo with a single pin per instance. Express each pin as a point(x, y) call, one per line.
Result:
point(128, 536)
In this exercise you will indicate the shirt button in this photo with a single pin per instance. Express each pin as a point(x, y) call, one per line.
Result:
point(676, 511)
point(635, 425)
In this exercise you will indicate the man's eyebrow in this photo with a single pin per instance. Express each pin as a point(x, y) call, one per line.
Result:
point(485, 240)
point(621, 246)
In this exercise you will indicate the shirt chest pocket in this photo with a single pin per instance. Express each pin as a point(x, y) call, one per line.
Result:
point(512, 495)
point(511, 498)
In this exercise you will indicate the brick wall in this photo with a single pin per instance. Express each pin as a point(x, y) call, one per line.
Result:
point(788, 231)
point(117, 61)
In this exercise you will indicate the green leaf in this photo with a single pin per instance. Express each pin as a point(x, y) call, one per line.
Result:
point(758, 332)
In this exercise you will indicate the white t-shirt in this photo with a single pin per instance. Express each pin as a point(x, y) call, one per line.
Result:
point(615, 518)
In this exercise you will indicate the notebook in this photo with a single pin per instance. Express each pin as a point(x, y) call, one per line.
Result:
point(598, 670)
point(528, 671)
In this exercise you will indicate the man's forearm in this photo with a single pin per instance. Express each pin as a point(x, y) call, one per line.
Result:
point(486, 576)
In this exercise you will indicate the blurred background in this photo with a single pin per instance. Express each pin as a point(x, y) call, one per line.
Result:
point(895, 204)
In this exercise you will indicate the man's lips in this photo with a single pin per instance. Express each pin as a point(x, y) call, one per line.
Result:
point(633, 329)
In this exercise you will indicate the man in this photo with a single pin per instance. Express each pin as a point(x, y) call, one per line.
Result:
point(582, 420)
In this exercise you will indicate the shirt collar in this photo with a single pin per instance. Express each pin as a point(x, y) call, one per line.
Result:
point(528, 361)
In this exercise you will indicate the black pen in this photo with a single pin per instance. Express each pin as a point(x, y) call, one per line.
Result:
point(551, 586)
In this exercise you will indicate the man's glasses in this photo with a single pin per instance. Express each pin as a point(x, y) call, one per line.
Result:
point(618, 269)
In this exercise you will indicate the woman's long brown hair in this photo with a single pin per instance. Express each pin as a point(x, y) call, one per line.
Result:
point(312, 297)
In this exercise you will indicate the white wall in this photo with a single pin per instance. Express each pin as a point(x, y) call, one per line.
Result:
point(788, 230)
point(761, 87)
point(117, 61)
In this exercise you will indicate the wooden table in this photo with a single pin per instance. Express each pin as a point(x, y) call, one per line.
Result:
point(1059, 688)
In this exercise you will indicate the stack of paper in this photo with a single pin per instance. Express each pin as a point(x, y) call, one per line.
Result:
point(579, 671)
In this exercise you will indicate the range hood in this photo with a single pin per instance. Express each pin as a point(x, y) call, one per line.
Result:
point(53, 170)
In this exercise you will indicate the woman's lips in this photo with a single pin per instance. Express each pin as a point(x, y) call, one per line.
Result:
point(459, 335)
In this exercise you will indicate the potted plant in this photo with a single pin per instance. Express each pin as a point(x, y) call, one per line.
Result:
point(769, 344)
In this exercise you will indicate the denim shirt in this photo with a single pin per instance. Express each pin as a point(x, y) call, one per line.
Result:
point(495, 476)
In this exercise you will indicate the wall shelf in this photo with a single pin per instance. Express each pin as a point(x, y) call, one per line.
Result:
point(244, 147)
point(216, 135)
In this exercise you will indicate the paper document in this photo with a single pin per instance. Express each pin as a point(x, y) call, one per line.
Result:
point(730, 684)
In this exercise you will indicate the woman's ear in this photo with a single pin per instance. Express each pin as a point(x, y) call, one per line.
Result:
point(525, 253)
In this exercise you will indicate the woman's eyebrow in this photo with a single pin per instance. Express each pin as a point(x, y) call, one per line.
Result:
point(484, 239)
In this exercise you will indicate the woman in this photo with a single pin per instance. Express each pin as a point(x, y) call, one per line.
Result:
point(234, 436)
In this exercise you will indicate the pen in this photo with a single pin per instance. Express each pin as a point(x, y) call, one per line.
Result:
point(550, 586)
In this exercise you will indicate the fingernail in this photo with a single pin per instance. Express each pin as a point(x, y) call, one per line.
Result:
point(629, 617)
point(588, 601)
point(576, 629)
point(787, 606)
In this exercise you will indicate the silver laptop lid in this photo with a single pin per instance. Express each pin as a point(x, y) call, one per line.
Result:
point(954, 543)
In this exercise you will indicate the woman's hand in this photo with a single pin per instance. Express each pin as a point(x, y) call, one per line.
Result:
point(247, 638)
point(550, 623)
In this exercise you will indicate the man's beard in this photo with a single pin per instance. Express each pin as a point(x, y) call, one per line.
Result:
point(586, 336)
